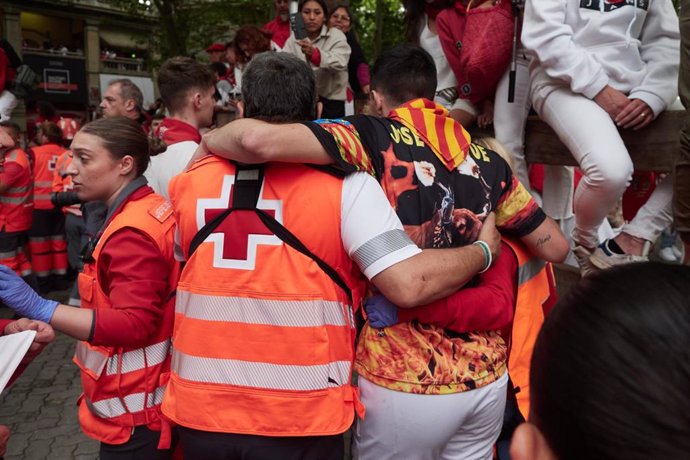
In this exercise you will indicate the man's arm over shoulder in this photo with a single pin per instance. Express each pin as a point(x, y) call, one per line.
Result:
point(254, 141)
point(324, 142)
point(374, 238)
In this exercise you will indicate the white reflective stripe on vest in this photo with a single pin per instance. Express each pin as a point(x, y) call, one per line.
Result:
point(91, 359)
point(530, 269)
point(9, 254)
point(134, 360)
point(21, 189)
point(260, 375)
point(285, 313)
point(95, 361)
point(115, 407)
point(11, 200)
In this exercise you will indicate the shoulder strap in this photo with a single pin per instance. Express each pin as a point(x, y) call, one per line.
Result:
point(12, 56)
point(245, 196)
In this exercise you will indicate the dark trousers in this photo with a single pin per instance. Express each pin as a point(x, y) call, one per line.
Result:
point(76, 240)
point(681, 182)
point(332, 108)
point(141, 446)
point(204, 445)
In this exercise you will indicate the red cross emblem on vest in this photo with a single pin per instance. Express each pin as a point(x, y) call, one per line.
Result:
point(52, 164)
point(236, 239)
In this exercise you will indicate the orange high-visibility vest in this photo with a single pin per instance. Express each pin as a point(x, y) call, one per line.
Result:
point(123, 387)
point(16, 203)
point(62, 182)
point(264, 340)
point(534, 289)
point(45, 164)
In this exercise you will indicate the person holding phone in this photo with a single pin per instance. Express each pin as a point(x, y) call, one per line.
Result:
point(328, 53)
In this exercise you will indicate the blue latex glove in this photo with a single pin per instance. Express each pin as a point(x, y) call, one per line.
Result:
point(18, 296)
point(381, 312)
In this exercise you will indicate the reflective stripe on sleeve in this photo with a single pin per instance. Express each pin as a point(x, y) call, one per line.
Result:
point(380, 246)
point(260, 375)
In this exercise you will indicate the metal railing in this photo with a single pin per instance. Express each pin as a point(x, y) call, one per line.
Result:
point(123, 65)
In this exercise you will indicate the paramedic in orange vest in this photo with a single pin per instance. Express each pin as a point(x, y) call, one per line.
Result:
point(16, 202)
point(264, 320)
point(47, 244)
point(127, 285)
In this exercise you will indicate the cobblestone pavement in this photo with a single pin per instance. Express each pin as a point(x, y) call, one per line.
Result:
point(41, 408)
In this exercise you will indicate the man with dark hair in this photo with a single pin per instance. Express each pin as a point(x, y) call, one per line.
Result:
point(442, 187)
point(264, 328)
point(187, 89)
point(123, 98)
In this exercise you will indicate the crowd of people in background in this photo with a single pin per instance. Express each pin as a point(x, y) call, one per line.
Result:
point(225, 238)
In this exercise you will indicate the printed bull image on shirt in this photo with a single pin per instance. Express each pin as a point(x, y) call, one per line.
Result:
point(441, 202)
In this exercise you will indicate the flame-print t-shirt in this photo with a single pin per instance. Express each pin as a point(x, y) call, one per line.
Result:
point(442, 187)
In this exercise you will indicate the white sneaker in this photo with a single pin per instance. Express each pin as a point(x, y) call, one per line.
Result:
point(667, 254)
point(582, 255)
point(603, 257)
point(677, 252)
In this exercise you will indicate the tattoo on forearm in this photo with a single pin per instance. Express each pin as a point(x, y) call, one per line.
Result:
point(542, 241)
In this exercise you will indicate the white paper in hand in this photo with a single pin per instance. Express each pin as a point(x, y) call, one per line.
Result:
point(13, 347)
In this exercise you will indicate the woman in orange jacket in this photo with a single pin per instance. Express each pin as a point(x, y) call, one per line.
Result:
point(125, 320)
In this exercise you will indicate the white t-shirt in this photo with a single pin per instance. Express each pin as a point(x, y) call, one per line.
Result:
point(432, 45)
point(169, 164)
point(372, 233)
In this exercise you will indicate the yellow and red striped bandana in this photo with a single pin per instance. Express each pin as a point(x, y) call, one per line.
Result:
point(445, 136)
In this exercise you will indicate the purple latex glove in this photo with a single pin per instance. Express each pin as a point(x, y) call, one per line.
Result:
point(19, 296)
point(381, 312)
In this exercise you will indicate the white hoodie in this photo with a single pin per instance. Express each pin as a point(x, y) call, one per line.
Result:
point(631, 45)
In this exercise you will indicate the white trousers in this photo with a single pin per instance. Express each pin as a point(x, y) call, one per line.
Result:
point(592, 138)
point(510, 118)
point(8, 102)
point(406, 426)
point(656, 215)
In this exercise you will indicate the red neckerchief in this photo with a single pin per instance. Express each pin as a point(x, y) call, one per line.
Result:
point(172, 131)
